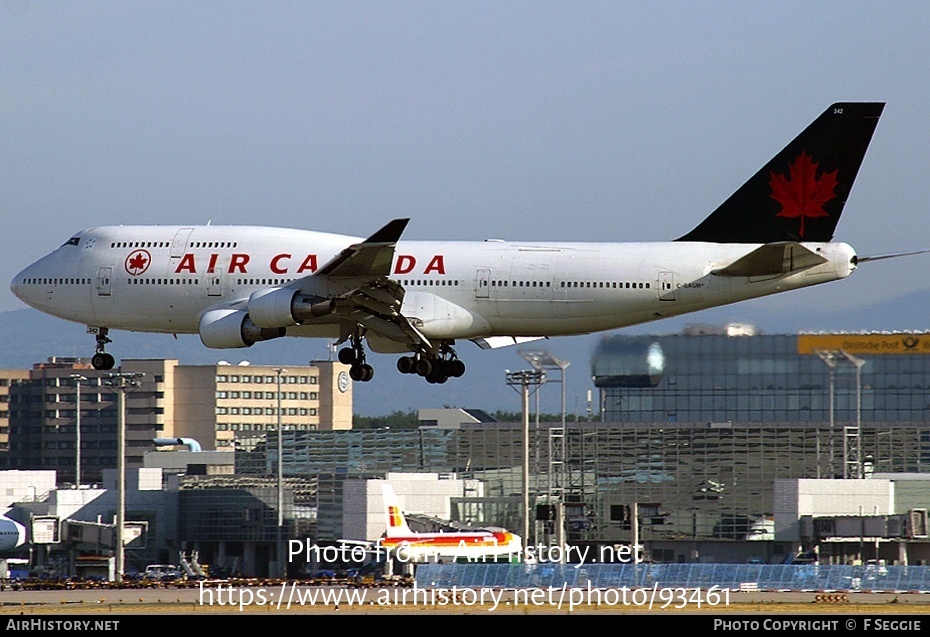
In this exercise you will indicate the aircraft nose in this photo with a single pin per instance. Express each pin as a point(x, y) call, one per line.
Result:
point(16, 285)
point(24, 285)
point(20, 534)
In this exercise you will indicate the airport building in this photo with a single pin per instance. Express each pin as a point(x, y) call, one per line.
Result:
point(715, 445)
point(732, 374)
point(700, 492)
point(206, 404)
point(8, 378)
point(697, 430)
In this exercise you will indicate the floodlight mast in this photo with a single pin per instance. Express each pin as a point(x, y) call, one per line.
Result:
point(524, 380)
point(852, 449)
point(121, 382)
point(279, 537)
point(542, 361)
point(78, 379)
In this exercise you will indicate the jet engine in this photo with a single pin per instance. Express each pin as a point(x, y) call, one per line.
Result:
point(228, 328)
point(282, 307)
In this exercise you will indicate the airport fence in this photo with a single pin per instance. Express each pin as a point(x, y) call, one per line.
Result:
point(764, 577)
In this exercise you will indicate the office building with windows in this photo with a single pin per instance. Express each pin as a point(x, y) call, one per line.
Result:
point(8, 377)
point(204, 403)
point(732, 374)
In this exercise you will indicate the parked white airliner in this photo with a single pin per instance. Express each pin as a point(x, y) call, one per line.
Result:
point(237, 285)
point(12, 534)
point(486, 544)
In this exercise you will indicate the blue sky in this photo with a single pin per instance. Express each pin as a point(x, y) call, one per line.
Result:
point(581, 121)
point(520, 120)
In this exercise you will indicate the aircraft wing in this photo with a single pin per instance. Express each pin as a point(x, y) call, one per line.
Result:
point(376, 305)
point(370, 258)
point(773, 259)
point(365, 543)
point(357, 280)
point(369, 547)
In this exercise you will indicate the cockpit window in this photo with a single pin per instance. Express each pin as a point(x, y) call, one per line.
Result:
point(73, 241)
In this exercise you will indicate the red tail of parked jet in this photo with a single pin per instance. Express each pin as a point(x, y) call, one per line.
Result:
point(472, 545)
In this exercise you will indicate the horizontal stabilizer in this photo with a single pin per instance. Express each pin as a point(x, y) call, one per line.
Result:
point(773, 259)
point(493, 342)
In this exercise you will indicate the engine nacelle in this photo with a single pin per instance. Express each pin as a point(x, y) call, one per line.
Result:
point(282, 307)
point(222, 329)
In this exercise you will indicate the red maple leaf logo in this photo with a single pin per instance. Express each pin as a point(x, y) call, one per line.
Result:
point(138, 262)
point(802, 194)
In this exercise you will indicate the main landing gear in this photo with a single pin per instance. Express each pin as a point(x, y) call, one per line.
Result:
point(435, 369)
point(102, 360)
point(354, 355)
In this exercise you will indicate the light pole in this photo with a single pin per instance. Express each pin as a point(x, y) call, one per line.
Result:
point(541, 362)
point(829, 359)
point(524, 379)
point(854, 464)
point(121, 383)
point(279, 542)
point(78, 379)
point(852, 449)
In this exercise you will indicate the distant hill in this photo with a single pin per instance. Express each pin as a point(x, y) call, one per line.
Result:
point(30, 337)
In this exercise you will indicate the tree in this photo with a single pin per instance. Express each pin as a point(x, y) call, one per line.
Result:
point(395, 420)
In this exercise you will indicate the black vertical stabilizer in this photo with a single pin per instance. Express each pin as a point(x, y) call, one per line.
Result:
point(799, 195)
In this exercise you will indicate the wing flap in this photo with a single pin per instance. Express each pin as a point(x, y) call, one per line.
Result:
point(773, 259)
point(376, 306)
point(494, 342)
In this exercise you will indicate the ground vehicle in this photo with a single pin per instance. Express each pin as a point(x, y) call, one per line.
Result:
point(162, 572)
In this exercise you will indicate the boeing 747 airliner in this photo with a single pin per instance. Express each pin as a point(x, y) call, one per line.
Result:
point(238, 285)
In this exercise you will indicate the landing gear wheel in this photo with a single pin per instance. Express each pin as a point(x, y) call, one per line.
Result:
point(405, 364)
point(437, 376)
point(455, 368)
point(361, 373)
point(347, 356)
point(423, 367)
point(103, 361)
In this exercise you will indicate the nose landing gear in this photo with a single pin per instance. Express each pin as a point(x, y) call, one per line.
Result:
point(101, 360)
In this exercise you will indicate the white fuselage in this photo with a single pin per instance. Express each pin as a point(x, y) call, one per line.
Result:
point(12, 534)
point(163, 279)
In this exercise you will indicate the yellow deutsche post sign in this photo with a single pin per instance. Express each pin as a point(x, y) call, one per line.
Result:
point(865, 343)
